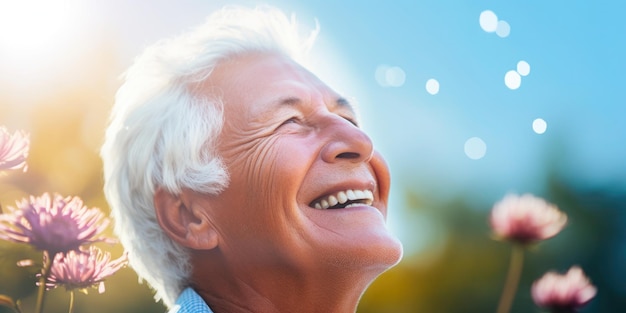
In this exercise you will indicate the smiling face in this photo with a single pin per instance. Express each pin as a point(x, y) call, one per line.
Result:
point(307, 190)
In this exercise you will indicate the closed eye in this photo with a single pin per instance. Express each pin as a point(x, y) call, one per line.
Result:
point(290, 120)
point(351, 120)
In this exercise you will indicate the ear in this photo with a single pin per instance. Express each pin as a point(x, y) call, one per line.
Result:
point(185, 220)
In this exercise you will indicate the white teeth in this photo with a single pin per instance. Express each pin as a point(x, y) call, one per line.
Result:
point(333, 201)
point(357, 194)
point(362, 196)
point(341, 196)
point(352, 195)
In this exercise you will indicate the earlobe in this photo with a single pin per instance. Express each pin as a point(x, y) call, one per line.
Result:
point(184, 220)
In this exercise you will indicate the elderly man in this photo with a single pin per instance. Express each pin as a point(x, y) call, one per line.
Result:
point(240, 182)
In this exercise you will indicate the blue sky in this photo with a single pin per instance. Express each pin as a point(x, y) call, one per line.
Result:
point(575, 51)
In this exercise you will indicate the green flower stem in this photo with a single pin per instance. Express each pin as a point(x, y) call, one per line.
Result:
point(512, 279)
point(41, 293)
point(71, 310)
point(17, 307)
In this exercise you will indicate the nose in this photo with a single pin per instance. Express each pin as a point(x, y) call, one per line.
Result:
point(346, 142)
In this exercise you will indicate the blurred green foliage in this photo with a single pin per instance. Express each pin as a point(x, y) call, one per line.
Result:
point(17, 282)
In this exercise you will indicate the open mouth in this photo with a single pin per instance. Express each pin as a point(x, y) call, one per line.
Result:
point(344, 199)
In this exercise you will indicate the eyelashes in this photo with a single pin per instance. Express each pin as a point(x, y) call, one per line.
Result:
point(294, 120)
point(290, 121)
point(352, 121)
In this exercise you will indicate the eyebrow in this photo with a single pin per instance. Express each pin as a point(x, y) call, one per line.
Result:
point(340, 102)
point(344, 103)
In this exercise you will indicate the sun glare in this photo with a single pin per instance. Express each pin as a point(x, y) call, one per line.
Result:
point(30, 25)
point(39, 40)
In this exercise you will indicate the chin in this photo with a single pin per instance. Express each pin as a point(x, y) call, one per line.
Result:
point(385, 250)
point(355, 238)
point(375, 250)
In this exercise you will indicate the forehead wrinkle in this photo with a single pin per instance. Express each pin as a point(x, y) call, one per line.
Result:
point(266, 114)
point(284, 101)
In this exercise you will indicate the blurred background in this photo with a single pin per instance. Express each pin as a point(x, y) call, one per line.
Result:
point(468, 101)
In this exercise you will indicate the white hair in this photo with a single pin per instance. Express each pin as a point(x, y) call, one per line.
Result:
point(163, 131)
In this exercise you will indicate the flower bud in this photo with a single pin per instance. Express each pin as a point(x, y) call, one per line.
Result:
point(526, 219)
point(563, 293)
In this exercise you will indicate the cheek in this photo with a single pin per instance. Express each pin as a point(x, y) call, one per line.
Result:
point(273, 170)
point(265, 180)
point(266, 175)
point(279, 166)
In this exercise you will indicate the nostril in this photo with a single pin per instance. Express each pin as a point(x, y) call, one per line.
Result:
point(345, 143)
point(348, 155)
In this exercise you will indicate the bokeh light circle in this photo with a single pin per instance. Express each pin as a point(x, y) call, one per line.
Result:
point(395, 76)
point(539, 126)
point(381, 75)
point(432, 86)
point(512, 80)
point(503, 29)
point(475, 148)
point(488, 21)
point(523, 68)
point(390, 76)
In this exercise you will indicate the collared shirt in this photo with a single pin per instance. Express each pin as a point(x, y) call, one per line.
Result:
point(190, 302)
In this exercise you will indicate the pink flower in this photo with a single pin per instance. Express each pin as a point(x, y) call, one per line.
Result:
point(13, 149)
point(526, 219)
point(563, 293)
point(83, 269)
point(55, 226)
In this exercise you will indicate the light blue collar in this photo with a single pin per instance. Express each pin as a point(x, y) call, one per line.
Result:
point(190, 302)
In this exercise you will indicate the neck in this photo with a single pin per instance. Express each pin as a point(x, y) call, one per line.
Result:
point(251, 287)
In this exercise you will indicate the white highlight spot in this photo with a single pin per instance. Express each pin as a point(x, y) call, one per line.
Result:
point(475, 148)
point(390, 76)
point(488, 21)
point(503, 29)
point(523, 68)
point(432, 86)
point(540, 126)
point(512, 80)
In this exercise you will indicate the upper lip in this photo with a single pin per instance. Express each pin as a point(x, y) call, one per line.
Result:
point(342, 196)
